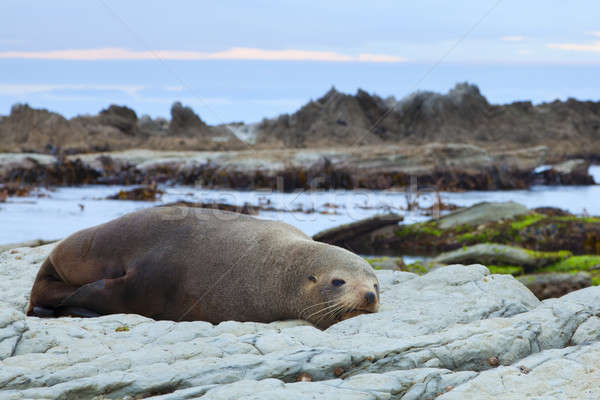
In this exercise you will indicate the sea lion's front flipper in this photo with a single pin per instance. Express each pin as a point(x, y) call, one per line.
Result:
point(104, 296)
point(41, 312)
point(48, 292)
point(75, 312)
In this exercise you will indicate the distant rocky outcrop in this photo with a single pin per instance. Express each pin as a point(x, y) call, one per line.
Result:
point(121, 117)
point(463, 115)
point(115, 128)
point(185, 120)
point(335, 118)
point(570, 129)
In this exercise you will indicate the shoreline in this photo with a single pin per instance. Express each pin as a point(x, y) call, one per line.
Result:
point(436, 166)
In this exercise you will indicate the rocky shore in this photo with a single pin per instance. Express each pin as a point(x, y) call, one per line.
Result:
point(456, 332)
point(453, 141)
point(432, 167)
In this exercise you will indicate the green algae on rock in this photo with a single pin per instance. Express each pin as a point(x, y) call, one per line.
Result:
point(532, 231)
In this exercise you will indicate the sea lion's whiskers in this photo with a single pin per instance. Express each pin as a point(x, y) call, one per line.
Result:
point(315, 305)
point(331, 313)
point(326, 310)
point(341, 306)
point(346, 306)
point(323, 309)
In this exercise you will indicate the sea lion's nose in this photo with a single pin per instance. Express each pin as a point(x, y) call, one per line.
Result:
point(370, 297)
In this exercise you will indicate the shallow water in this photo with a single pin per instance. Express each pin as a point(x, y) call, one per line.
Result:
point(67, 210)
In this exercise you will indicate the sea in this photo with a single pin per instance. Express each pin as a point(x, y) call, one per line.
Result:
point(54, 214)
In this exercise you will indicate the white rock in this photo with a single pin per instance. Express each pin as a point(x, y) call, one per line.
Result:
point(434, 334)
point(569, 373)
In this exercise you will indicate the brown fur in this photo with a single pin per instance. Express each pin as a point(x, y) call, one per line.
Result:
point(180, 263)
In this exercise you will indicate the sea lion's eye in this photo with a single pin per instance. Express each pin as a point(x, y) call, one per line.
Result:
point(312, 278)
point(338, 282)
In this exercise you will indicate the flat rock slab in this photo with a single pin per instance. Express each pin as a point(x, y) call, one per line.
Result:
point(498, 254)
point(436, 334)
point(483, 213)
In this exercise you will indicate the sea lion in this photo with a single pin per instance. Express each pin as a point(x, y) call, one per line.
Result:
point(180, 263)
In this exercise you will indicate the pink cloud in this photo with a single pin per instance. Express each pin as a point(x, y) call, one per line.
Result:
point(236, 53)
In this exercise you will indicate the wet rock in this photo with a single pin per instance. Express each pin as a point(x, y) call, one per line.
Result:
point(571, 172)
point(549, 285)
point(45, 170)
point(341, 235)
point(11, 189)
point(12, 162)
point(147, 193)
point(553, 212)
point(482, 213)
point(507, 224)
point(433, 166)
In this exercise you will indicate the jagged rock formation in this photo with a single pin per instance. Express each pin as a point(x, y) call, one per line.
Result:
point(121, 117)
point(457, 331)
point(570, 129)
point(463, 115)
point(116, 128)
point(185, 120)
point(335, 118)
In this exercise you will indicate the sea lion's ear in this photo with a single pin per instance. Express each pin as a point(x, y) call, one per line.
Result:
point(312, 278)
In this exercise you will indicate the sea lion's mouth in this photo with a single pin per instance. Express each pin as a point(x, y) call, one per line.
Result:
point(355, 312)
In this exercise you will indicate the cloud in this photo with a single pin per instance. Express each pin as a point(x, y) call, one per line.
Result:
point(597, 33)
point(512, 38)
point(16, 89)
point(586, 47)
point(236, 53)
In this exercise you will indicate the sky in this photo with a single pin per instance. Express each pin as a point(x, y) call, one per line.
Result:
point(242, 61)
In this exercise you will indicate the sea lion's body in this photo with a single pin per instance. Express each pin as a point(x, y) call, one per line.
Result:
point(180, 263)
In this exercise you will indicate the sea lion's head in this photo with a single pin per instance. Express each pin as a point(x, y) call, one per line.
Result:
point(338, 285)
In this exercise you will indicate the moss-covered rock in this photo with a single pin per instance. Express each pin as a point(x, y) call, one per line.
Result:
point(502, 255)
point(575, 263)
point(533, 231)
point(394, 263)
